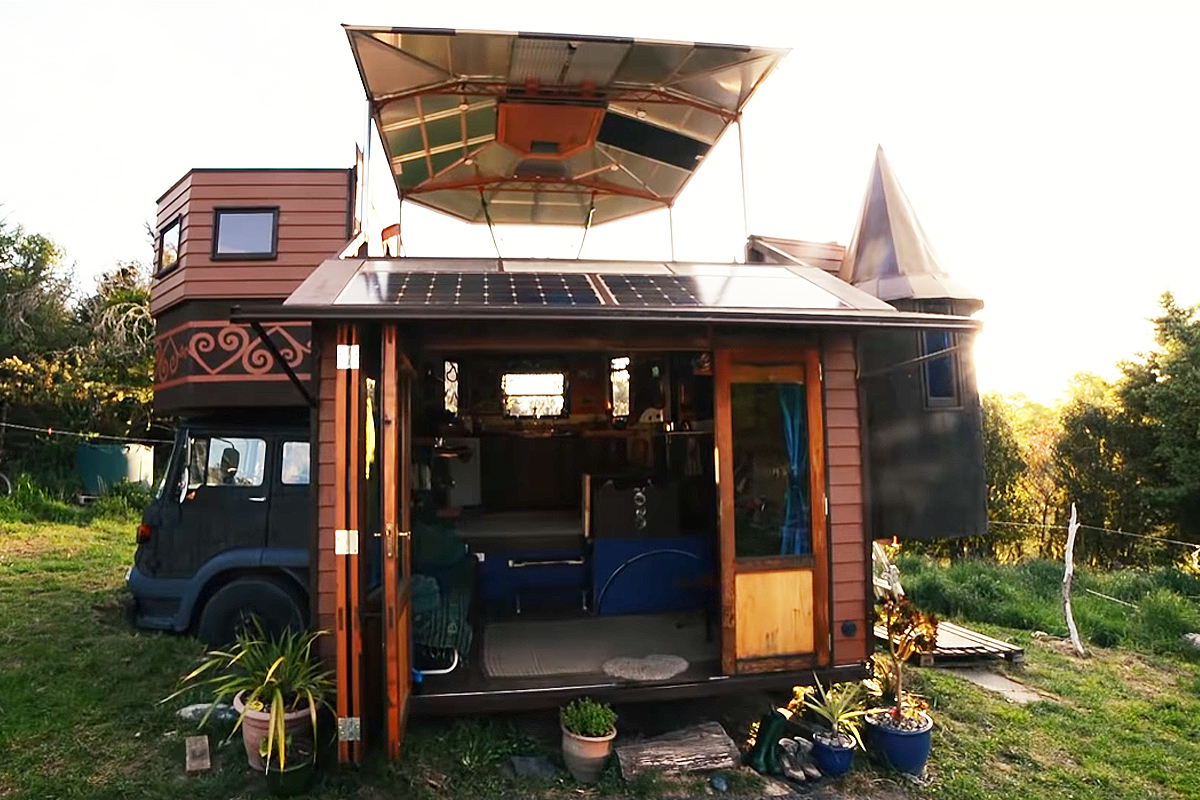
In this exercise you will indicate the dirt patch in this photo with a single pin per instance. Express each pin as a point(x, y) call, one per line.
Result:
point(1143, 677)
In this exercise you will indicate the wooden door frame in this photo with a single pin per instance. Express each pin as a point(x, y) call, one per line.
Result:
point(727, 361)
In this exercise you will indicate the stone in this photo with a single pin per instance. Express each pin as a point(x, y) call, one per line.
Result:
point(195, 756)
point(1192, 639)
point(221, 712)
point(536, 767)
point(1011, 690)
point(719, 782)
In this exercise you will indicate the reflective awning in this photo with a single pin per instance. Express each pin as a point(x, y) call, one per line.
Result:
point(549, 129)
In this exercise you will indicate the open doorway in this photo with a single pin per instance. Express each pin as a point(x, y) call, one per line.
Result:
point(564, 523)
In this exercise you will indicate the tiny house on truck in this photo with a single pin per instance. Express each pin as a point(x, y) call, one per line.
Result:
point(529, 479)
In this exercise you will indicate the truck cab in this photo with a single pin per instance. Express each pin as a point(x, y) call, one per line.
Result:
point(228, 535)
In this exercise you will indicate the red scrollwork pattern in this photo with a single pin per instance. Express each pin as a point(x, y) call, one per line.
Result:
point(221, 348)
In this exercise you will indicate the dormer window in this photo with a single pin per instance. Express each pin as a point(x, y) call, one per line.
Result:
point(168, 247)
point(245, 233)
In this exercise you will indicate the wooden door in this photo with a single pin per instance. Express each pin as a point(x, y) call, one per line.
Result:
point(395, 452)
point(771, 488)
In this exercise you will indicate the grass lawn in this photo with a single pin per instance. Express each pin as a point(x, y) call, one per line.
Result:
point(79, 714)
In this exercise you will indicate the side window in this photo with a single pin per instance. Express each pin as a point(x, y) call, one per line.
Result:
point(226, 461)
point(295, 464)
point(168, 247)
point(940, 373)
point(241, 233)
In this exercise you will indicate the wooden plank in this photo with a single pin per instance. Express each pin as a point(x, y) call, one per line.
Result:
point(389, 411)
point(843, 437)
point(774, 613)
point(846, 457)
point(700, 748)
point(196, 759)
point(404, 627)
point(841, 398)
point(955, 642)
point(723, 441)
point(818, 477)
point(267, 194)
point(273, 177)
point(339, 476)
point(356, 524)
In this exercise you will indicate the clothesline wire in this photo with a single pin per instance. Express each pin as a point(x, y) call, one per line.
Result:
point(50, 431)
point(1096, 528)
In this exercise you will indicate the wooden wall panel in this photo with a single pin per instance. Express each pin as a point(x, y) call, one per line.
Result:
point(325, 602)
point(313, 207)
point(774, 613)
point(848, 546)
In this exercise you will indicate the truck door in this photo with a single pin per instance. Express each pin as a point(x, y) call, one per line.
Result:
point(290, 510)
point(224, 502)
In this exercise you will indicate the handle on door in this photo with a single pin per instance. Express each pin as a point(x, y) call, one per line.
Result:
point(258, 499)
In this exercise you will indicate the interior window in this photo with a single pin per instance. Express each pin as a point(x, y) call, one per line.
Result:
point(245, 233)
point(450, 385)
point(619, 380)
point(168, 245)
point(295, 464)
point(940, 373)
point(222, 461)
point(534, 394)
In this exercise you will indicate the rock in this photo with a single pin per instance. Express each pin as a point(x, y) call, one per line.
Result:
point(536, 767)
point(1192, 639)
point(194, 713)
point(719, 782)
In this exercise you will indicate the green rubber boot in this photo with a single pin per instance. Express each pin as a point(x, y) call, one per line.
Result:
point(763, 757)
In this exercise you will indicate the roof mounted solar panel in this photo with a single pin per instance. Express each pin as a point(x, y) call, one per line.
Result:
point(548, 128)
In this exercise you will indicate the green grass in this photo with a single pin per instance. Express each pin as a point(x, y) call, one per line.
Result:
point(79, 692)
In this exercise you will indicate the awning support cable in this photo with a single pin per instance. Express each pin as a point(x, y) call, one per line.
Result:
point(491, 228)
point(587, 226)
point(893, 367)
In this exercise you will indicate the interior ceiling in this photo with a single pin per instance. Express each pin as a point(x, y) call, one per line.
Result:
point(549, 129)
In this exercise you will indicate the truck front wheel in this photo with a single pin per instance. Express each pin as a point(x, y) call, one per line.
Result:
point(231, 607)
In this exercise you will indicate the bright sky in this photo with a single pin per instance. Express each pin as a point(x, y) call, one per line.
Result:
point(1049, 150)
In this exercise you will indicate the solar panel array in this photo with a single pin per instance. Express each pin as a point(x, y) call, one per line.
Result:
point(561, 290)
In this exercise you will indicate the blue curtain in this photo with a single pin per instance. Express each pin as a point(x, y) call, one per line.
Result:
point(796, 536)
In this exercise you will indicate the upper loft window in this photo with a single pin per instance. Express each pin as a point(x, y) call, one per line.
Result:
point(534, 394)
point(242, 233)
point(168, 247)
point(940, 373)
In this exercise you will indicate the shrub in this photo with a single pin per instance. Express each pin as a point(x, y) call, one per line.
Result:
point(1162, 619)
point(586, 717)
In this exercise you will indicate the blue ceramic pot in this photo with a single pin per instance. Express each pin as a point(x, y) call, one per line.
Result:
point(832, 759)
point(903, 750)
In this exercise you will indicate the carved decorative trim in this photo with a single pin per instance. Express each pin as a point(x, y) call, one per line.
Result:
point(206, 350)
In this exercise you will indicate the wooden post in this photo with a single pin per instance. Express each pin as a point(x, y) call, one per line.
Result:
point(1066, 584)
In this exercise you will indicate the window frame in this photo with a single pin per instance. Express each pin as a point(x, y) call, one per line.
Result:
point(566, 393)
point(940, 403)
point(159, 269)
point(215, 255)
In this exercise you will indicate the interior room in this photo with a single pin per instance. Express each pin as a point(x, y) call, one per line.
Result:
point(564, 517)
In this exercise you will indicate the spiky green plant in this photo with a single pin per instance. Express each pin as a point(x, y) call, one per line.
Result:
point(840, 706)
point(276, 674)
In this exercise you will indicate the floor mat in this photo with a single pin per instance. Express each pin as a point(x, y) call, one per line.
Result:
point(528, 649)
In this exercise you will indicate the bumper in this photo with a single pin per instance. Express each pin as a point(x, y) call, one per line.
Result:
point(154, 603)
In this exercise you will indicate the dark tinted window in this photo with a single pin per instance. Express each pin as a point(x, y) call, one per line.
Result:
point(941, 372)
point(242, 233)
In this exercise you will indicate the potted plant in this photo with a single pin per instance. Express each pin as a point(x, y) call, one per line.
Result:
point(840, 707)
point(276, 685)
point(295, 778)
point(902, 732)
point(588, 730)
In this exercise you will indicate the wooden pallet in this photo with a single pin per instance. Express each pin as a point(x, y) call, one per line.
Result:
point(956, 643)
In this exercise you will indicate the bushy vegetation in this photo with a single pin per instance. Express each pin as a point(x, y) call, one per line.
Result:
point(32, 503)
point(70, 360)
point(1164, 601)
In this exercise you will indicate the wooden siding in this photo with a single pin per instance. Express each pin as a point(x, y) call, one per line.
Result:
point(848, 543)
point(314, 208)
point(324, 594)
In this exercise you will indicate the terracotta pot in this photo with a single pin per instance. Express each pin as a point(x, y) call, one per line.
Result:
point(586, 756)
point(255, 727)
